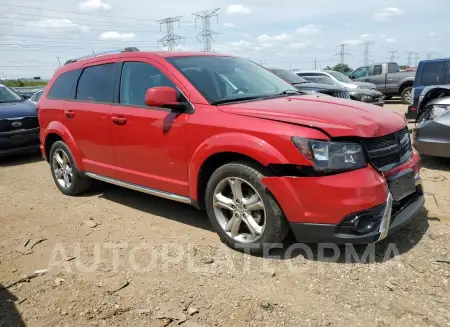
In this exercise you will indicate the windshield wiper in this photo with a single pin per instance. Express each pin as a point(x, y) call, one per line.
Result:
point(237, 99)
point(289, 92)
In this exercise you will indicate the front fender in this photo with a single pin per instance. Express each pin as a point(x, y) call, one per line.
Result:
point(56, 127)
point(241, 143)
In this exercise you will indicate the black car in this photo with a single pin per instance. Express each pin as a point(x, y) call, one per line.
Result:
point(303, 85)
point(19, 126)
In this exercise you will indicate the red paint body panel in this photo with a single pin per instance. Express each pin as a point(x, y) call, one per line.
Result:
point(328, 199)
point(338, 117)
point(161, 149)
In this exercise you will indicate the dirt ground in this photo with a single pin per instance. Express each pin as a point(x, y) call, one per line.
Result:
point(115, 257)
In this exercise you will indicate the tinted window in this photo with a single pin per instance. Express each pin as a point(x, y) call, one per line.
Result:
point(97, 83)
point(64, 86)
point(309, 74)
point(137, 78)
point(434, 73)
point(289, 76)
point(377, 70)
point(393, 68)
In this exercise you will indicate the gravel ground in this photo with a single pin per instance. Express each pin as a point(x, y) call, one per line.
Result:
point(115, 257)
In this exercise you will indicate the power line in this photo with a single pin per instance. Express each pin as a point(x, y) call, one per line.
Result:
point(367, 44)
point(392, 56)
point(206, 34)
point(170, 39)
point(342, 53)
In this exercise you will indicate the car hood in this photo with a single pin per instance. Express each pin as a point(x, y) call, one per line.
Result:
point(337, 117)
point(318, 86)
point(17, 109)
point(364, 85)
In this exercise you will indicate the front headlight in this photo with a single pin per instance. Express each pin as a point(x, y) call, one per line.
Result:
point(438, 110)
point(367, 98)
point(331, 156)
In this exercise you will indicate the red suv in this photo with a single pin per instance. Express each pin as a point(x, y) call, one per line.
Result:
point(226, 135)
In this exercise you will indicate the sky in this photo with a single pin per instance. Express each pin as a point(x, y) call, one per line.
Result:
point(36, 36)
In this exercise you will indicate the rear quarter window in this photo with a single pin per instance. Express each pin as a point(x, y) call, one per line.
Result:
point(434, 73)
point(97, 83)
point(64, 85)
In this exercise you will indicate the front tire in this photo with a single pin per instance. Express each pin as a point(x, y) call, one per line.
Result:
point(406, 95)
point(65, 172)
point(243, 212)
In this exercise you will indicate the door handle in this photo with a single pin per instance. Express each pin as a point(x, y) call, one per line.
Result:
point(119, 120)
point(69, 113)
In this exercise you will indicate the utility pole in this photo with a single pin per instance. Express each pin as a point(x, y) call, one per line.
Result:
point(367, 44)
point(205, 36)
point(315, 63)
point(392, 56)
point(59, 63)
point(170, 39)
point(342, 53)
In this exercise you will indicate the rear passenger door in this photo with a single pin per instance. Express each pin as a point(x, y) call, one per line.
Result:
point(88, 116)
point(377, 77)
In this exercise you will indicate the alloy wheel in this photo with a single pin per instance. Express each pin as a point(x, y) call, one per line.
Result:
point(239, 209)
point(62, 168)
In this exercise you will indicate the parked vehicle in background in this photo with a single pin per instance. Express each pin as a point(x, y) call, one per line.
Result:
point(429, 73)
point(36, 96)
point(19, 126)
point(388, 79)
point(432, 133)
point(302, 84)
point(358, 91)
point(260, 159)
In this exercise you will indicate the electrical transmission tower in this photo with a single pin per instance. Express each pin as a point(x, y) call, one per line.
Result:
point(342, 53)
point(416, 59)
point(367, 51)
point(410, 53)
point(392, 56)
point(170, 39)
point(205, 36)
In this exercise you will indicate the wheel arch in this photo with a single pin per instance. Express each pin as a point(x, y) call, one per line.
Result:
point(223, 149)
point(405, 84)
point(58, 132)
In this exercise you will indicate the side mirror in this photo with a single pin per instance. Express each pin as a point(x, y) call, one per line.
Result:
point(161, 96)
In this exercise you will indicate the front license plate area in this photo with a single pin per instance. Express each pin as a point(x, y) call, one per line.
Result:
point(402, 185)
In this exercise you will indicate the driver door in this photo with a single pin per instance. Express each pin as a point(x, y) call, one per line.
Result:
point(149, 142)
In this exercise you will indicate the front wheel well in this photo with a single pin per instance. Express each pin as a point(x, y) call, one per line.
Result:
point(49, 141)
point(212, 163)
point(405, 85)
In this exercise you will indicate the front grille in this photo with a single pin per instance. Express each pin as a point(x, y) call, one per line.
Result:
point(343, 95)
point(388, 151)
point(7, 125)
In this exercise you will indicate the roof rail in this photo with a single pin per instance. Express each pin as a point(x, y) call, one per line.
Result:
point(103, 53)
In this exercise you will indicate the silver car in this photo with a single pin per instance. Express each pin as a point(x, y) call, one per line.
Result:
point(359, 91)
point(432, 133)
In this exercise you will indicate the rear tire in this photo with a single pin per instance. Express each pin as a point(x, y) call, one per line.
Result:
point(406, 95)
point(250, 222)
point(65, 172)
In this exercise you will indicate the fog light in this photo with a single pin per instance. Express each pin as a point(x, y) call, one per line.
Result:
point(362, 224)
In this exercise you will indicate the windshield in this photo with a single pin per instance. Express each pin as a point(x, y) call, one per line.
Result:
point(226, 79)
point(289, 76)
point(8, 95)
point(340, 77)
